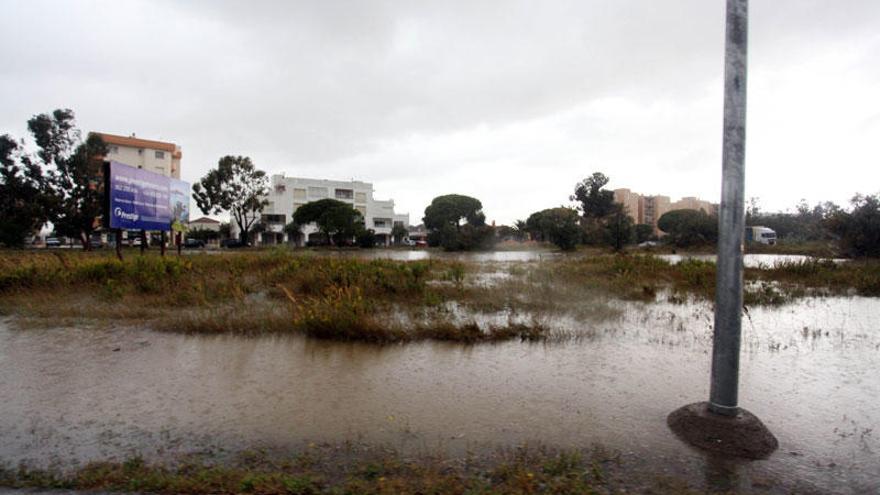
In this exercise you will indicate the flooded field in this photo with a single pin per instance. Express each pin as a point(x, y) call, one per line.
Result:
point(809, 371)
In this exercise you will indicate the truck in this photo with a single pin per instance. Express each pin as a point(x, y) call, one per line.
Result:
point(762, 235)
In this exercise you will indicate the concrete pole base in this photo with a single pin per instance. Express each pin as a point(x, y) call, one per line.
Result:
point(741, 435)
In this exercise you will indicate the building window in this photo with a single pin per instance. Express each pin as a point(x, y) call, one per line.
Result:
point(160, 155)
point(273, 219)
point(317, 192)
point(299, 194)
point(344, 194)
point(381, 222)
point(140, 152)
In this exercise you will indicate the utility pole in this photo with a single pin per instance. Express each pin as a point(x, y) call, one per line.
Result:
point(731, 218)
point(720, 424)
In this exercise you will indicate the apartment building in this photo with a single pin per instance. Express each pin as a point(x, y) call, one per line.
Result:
point(155, 156)
point(648, 209)
point(286, 194)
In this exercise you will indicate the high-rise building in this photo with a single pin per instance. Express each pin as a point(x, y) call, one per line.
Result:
point(648, 209)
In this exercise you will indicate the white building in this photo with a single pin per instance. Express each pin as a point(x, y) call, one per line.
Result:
point(155, 156)
point(286, 194)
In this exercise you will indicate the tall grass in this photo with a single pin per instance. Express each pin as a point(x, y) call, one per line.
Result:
point(353, 299)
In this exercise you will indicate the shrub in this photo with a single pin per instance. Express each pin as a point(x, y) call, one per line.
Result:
point(858, 231)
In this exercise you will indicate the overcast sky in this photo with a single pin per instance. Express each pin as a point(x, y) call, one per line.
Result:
point(510, 102)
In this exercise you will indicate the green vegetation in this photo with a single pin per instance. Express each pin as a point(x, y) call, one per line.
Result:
point(320, 470)
point(334, 298)
point(61, 183)
point(686, 228)
point(22, 196)
point(556, 225)
point(380, 301)
point(444, 217)
point(236, 186)
point(859, 229)
point(337, 220)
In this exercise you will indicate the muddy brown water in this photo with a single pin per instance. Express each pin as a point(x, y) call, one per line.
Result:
point(809, 371)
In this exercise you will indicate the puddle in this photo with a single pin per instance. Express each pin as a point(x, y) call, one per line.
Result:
point(808, 371)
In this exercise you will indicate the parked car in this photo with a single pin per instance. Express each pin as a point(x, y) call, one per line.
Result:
point(421, 244)
point(193, 243)
point(232, 243)
point(53, 242)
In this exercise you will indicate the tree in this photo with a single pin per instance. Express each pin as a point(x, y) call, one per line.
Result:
point(339, 221)
point(452, 209)
point(805, 224)
point(398, 233)
point(293, 231)
point(595, 202)
point(556, 225)
point(858, 230)
point(23, 200)
point(444, 219)
point(619, 229)
point(366, 238)
point(75, 173)
point(507, 233)
point(235, 186)
point(689, 227)
point(643, 232)
point(225, 231)
point(522, 231)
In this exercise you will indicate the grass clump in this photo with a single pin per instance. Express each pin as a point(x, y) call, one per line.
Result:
point(520, 471)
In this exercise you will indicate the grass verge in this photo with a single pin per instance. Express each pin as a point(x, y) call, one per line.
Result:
point(515, 471)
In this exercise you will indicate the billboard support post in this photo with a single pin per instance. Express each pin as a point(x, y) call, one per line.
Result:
point(162, 249)
point(119, 244)
point(143, 240)
point(720, 424)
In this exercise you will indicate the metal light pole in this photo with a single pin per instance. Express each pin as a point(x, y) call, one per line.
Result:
point(731, 218)
point(720, 424)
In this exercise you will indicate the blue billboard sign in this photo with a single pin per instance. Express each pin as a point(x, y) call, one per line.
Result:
point(142, 200)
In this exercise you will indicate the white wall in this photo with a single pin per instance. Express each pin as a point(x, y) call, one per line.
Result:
point(144, 158)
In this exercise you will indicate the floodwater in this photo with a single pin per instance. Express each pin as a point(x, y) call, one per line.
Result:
point(749, 260)
point(424, 254)
point(809, 371)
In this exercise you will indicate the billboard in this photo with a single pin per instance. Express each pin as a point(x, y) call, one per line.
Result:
point(140, 200)
point(178, 194)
